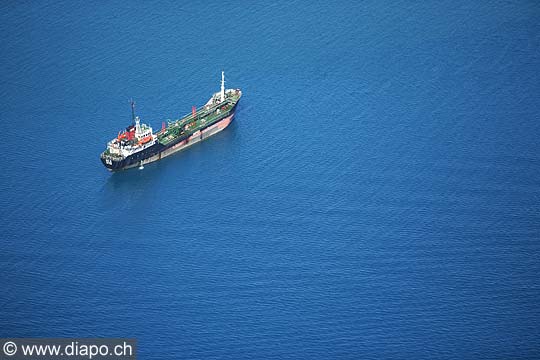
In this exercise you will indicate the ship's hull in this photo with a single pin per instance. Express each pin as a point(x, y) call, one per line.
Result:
point(158, 151)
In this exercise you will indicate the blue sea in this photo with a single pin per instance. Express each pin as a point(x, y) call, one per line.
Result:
point(376, 197)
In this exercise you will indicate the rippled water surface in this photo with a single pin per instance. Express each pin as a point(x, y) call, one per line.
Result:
point(377, 197)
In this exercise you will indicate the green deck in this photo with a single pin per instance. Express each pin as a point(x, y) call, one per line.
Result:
point(202, 118)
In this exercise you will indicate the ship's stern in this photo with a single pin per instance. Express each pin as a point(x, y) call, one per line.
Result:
point(112, 163)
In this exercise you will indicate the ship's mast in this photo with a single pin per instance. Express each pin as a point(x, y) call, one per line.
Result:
point(222, 86)
point(136, 120)
point(132, 110)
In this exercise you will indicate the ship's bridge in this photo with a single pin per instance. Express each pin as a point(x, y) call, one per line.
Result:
point(142, 130)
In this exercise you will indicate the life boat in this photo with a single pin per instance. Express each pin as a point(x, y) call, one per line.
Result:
point(145, 140)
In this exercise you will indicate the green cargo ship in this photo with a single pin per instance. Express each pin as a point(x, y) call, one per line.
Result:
point(138, 145)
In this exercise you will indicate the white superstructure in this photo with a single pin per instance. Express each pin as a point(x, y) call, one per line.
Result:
point(133, 139)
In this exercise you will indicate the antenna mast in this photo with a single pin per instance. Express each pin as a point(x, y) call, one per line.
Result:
point(222, 86)
point(132, 110)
